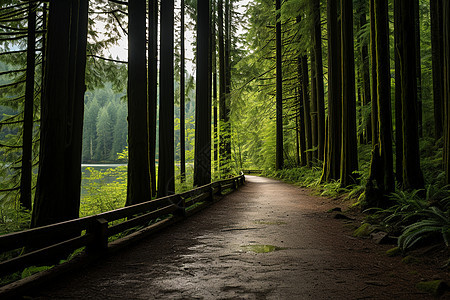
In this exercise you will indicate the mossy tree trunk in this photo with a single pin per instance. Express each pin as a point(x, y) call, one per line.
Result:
point(331, 169)
point(349, 154)
point(166, 167)
point(138, 184)
point(381, 178)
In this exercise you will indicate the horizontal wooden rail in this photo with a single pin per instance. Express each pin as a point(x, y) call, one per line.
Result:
point(252, 172)
point(49, 244)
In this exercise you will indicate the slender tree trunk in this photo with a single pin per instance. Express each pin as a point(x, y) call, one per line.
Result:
point(307, 109)
point(166, 167)
point(382, 156)
point(152, 87)
point(373, 63)
point(27, 138)
point(437, 60)
point(58, 187)
point(227, 50)
point(79, 28)
point(318, 66)
point(398, 48)
point(331, 169)
point(365, 80)
point(412, 175)
point(214, 87)
point(224, 126)
point(446, 98)
point(202, 161)
point(349, 154)
point(182, 102)
point(279, 90)
point(313, 105)
point(138, 184)
point(418, 65)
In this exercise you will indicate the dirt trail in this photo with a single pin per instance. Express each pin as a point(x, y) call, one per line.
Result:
point(212, 256)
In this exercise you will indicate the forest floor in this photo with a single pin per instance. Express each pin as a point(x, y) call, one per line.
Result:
point(268, 240)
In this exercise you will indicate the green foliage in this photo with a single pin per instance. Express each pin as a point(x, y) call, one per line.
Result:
point(417, 216)
point(13, 219)
point(434, 224)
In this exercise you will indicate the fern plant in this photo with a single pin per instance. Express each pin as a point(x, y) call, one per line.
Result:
point(436, 223)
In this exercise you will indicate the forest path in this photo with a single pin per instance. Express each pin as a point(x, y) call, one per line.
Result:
point(212, 255)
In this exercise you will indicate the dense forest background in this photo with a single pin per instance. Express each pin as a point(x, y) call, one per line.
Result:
point(345, 96)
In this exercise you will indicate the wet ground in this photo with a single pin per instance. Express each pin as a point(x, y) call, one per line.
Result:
point(268, 240)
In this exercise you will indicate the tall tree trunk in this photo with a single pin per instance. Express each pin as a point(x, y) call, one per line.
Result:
point(418, 66)
point(224, 132)
point(307, 108)
point(382, 156)
point(58, 187)
point(301, 113)
point(437, 60)
point(138, 184)
point(214, 87)
point(318, 66)
point(202, 161)
point(27, 138)
point(349, 154)
point(152, 87)
point(182, 101)
point(373, 64)
point(331, 169)
point(365, 70)
point(412, 175)
point(166, 167)
point(446, 56)
point(398, 96)
point(279, 91)
point(313, 105)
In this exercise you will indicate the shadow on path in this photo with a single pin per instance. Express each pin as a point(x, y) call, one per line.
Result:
point(268, 240)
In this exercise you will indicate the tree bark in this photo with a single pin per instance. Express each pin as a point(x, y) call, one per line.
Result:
point(318, 66)
point(437, 60)
point(138, 184)
point(166, 167)
point(307, 109)
point(349, 154)
point(398, 97)
point(373, 64)
point(202, 161)
point(418, 66)
point(182, 101)
point(58, 186)
point(446, 69)
point(382, 156)
point(412, 174)
point(152, 87)
point(331, 169)
point(27, 138)
point(279, 90)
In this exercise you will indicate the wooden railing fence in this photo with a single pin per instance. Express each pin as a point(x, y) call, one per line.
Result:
point(93, 232)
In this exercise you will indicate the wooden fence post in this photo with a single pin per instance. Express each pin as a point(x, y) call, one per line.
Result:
point(180, 202)
point(99, 230)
